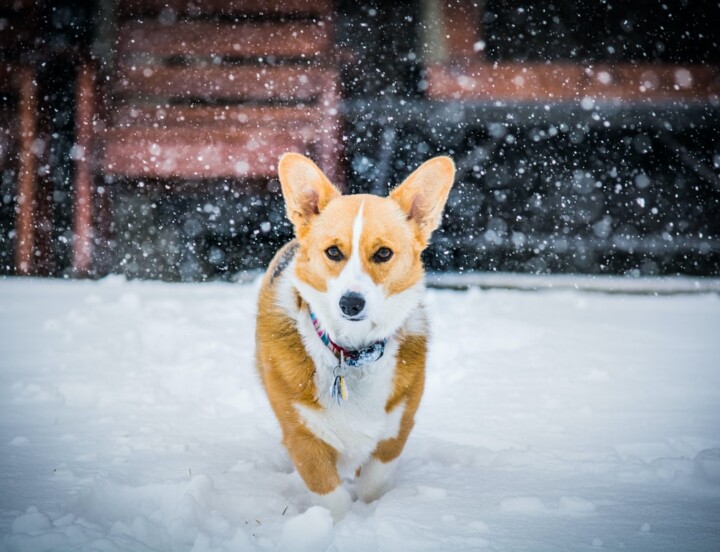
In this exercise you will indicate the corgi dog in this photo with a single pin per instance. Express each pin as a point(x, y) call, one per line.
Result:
point(341, 333)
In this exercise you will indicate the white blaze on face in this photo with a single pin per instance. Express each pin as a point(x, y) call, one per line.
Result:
point(353, 278)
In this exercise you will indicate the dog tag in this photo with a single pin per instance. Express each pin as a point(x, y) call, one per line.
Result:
point(343, 389)
point(339, 390)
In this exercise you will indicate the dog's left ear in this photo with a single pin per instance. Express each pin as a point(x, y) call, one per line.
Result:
point(423, 194)
point(306, 189)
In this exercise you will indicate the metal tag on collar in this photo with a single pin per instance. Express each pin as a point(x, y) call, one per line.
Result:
point(339, 389)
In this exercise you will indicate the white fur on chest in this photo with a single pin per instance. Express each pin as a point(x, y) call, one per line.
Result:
point(355, 426)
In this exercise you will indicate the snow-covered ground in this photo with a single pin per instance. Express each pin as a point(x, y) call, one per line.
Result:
point(131, 418)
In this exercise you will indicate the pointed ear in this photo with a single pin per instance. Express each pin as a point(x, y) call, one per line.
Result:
point(423, 194)
point(306, 189)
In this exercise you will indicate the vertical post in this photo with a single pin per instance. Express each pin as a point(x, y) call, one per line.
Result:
point(82, 155)
point(25, 224)
point(330, 133)
point(462, 29)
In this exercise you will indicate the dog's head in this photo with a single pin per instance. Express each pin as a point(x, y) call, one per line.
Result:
point(358, 263)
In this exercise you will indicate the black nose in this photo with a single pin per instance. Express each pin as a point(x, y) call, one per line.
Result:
point(352, 303)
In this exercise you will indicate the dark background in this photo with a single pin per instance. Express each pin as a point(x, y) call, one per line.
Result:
point(539, 189)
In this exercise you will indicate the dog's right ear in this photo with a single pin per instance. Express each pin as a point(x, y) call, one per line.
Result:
point(306, 189)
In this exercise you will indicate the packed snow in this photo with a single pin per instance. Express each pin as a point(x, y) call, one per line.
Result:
point(132, 419)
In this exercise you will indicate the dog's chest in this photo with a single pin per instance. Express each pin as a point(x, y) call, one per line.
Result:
point(355, 425)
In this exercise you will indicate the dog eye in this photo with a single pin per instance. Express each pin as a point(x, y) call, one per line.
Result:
point(382, 255)
point(334, 254)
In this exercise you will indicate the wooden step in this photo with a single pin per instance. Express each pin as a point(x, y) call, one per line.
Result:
point(197, 153)
point(293, 39)
point(172, 116)
point(285, 83)
point(129, 8)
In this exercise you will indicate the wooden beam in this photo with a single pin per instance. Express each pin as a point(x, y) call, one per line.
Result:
point(27, 169)
point(260, 83)
point(657, 82)
point(199, 153)
point(508, 81)
point(330, 134)
point(172, 116)
point(83, 155)
point(462, 29)
point(554, 82)
point(295, 39)
point(130, 8)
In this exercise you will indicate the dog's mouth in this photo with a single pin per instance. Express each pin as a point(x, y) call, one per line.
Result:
point(358, 318)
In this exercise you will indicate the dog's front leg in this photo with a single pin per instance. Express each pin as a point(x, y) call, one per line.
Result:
point(376, 473)
point(316, 463)
point(374, 478)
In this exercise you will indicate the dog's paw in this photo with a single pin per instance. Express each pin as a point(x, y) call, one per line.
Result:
point(374, 479)
point(337, 501)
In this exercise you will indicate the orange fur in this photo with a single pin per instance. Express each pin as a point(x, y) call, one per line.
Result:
point(408, 387)
point(386, 228)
